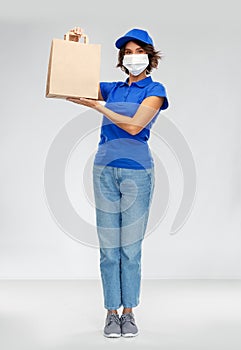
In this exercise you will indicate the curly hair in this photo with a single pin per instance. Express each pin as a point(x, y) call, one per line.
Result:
point(153, 55)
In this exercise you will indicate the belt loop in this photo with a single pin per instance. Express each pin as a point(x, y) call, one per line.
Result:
point(115, 173)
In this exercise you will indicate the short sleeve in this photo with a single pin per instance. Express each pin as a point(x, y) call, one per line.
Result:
point(157, 89)
point(105, 88)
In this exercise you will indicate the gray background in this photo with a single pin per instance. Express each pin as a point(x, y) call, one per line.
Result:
point(201, 71)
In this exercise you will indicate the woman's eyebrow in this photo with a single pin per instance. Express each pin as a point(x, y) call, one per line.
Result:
point(137, 48)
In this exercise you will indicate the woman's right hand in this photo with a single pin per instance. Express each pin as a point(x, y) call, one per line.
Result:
point(77, 33)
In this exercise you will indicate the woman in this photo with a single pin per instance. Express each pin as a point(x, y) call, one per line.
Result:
point(123, 174)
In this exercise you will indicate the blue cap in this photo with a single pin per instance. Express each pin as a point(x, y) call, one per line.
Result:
point(134, 34)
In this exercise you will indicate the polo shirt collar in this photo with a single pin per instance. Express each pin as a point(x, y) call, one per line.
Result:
point(141, 83)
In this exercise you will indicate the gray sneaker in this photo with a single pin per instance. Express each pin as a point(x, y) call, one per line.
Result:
point(112, 326)
point(128, 325)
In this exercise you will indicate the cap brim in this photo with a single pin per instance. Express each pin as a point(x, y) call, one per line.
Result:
point(123, 40)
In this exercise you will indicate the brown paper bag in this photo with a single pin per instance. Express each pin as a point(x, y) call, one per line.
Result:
point(73, 69)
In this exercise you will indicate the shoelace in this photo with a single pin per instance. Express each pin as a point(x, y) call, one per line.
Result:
point(127, 318)
point(113, 317)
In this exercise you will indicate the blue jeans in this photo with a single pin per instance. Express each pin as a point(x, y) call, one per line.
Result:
point(122, 199)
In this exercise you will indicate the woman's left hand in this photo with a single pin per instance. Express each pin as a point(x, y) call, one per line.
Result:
point(88, 102)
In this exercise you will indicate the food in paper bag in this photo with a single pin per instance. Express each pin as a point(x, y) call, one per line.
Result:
point(73, 69)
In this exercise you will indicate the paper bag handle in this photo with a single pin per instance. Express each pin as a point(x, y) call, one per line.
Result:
point(86, 38)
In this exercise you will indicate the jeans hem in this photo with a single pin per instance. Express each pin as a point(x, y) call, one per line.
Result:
point(130, 306)
point(112, 308)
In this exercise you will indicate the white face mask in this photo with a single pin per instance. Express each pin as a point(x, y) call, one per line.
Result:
point(136, 63)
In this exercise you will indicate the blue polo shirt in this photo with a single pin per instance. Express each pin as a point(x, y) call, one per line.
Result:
point(117, 147)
